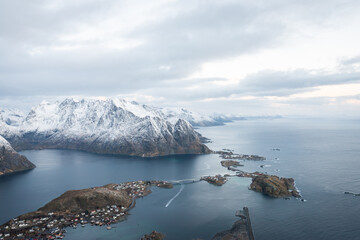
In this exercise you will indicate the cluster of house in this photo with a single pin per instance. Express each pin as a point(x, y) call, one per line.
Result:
point(134, 189)
point(216, 180)
point(247, 174)
point(139, 188)
point(38, 227)
point(228, 154)
point(242, 157)
point(52, 226)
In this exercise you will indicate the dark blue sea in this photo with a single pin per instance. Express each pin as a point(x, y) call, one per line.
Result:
point(323, 156)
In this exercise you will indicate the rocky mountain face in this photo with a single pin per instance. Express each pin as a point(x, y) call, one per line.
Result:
point(10, 160)
point(112, 126)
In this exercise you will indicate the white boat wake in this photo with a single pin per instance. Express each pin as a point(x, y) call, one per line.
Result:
point(176, 195)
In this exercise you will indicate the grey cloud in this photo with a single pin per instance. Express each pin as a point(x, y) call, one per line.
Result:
point(193, 32)
point(280, 83)
point(265, 83)
point(182, 42)
point(350, 61)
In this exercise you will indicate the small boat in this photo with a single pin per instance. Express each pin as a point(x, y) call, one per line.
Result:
point(108, 227)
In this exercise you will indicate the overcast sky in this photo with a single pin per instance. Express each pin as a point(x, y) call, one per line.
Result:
point(264, 57)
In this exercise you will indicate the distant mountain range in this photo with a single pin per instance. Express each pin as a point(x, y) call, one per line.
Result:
point(15, 117)
point(112, 126)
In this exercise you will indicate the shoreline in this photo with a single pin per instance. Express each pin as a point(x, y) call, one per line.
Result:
point(52, 224)
point(51, 220)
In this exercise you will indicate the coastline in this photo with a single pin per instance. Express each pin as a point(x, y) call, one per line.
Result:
point(97, 206)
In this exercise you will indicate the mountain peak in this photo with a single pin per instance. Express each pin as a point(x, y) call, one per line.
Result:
point(113, 126)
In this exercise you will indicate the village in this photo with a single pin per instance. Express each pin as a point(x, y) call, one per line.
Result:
point(228, 154)
point(217, 180)
point(52, 225)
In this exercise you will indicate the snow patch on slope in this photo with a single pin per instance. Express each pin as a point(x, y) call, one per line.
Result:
point(5, 143)
point(12, 117)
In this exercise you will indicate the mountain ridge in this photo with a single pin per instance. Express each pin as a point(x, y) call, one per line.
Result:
point(104, 126)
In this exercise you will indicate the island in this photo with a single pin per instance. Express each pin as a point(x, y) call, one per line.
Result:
point(228, 154)
point(154, 235)
point(97, 206)
point(270, 185)
point(230, 163)
point(217, 180)
point(354, 194)
point(274, 186)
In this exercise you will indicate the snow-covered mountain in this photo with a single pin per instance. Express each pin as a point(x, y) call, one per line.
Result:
point(13, 117)
point(5, 144)
point(10, 160)
point(113, 126)
point(194, 118)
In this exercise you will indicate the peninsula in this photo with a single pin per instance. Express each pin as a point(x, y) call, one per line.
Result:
point(11, 161)
point(96, 206)
point(241, 229)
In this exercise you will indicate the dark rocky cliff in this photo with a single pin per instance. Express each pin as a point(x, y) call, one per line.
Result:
point(11, 161)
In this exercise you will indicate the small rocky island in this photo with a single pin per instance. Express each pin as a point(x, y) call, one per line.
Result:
point(96, 206)
point(154, 235)
point(10, 160)
point(274, 186)
point(270, 185)
point(351, 193)
point(230, 163)
point(217, 180)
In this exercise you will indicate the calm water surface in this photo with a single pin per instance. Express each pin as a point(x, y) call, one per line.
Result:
point(322, 156)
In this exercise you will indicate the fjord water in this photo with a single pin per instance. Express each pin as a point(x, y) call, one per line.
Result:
point(322, 156)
